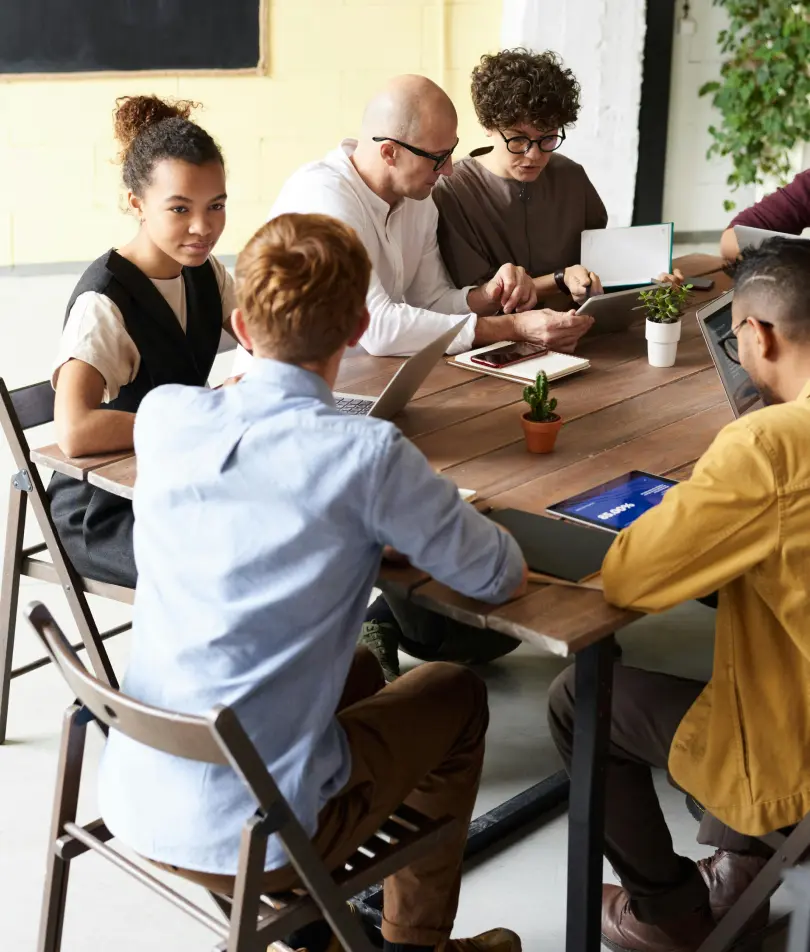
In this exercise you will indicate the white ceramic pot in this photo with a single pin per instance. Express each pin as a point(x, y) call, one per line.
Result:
point(662, 343)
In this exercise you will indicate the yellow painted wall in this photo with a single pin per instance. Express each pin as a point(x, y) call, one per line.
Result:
point(59, 188)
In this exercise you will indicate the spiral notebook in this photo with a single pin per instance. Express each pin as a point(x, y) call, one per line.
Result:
point(555, 365)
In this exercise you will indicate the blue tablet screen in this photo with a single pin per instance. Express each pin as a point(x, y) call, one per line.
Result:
point(616, 504)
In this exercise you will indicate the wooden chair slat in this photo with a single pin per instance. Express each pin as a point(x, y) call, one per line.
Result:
point(253, 920)
point(20, 410)
point(34, 404)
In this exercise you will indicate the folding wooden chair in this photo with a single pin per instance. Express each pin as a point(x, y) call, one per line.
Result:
point(252, 921)
point(20, 410)
point(791, 847)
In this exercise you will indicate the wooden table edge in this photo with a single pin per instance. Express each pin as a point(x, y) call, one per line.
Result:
point(98, 479)
point(67, 465)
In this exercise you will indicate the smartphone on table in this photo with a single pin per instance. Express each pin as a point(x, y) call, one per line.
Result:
point(509, 354)
point(700, 284)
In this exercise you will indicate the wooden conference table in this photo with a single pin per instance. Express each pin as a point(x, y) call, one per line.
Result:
point(622, 414)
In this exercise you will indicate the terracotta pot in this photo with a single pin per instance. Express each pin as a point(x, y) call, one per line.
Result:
point(540, 437)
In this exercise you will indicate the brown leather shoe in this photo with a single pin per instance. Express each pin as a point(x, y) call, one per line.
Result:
point(623, 932)
point(496, 940)
point(728, 875)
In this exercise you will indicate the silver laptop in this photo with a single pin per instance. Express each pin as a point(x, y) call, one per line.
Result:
point(715, 324)
point(403, 385)
point(748, 237)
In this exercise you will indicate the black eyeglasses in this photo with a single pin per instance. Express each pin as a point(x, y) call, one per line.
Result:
point(730, 344)
point(439, 158)
point(520, 145)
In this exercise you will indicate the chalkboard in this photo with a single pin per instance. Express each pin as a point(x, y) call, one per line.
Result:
point(80, 36)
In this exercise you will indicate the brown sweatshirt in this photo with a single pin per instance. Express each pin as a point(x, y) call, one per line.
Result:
point(486, 221)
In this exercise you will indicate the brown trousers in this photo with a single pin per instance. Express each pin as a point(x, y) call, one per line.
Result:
point(647, 709)
point(418, 741)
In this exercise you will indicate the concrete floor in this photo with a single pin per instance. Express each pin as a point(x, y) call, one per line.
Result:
point(521, 886)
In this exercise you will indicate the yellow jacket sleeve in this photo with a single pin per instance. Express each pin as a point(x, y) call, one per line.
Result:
point(705, 532)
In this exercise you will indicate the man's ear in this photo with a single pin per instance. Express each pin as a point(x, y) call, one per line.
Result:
point(765, 337)
point(240, 330)
point(388, 153)
point(362, 327)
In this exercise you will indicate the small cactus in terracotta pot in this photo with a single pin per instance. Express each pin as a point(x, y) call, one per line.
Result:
point(540, 423)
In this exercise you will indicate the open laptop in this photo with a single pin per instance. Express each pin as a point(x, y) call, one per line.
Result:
point(748, 237)
point(715, 323)
point(403, 385)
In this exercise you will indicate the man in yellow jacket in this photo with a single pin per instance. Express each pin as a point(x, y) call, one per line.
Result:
point(741, 743)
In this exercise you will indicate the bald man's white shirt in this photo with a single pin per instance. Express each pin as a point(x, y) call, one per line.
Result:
point(411, 298)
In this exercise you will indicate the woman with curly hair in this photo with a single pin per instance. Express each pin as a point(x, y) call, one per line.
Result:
point(148, 313)
point(519, 200)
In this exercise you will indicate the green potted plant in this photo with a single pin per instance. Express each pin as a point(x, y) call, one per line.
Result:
point(540, 423)
point(664, 305)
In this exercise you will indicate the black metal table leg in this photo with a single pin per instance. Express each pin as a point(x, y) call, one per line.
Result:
point(586, 804)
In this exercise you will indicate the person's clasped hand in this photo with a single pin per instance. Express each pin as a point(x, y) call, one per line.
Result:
point(512, 289)
point(558, 330)
point(582, 283)
point(676, 278)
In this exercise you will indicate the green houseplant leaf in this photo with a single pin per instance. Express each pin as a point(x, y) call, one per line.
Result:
point(763, 94)
point(665, 304)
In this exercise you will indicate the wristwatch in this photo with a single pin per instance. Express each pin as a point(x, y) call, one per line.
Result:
point(559, 280)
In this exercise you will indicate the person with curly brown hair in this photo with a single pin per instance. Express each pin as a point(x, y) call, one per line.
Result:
point(380, 184)
point(519, 199)
point(148, 313)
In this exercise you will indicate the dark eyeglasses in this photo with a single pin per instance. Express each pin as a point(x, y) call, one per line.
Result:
point(730, 344)
point(520, 145)
point(439, 158)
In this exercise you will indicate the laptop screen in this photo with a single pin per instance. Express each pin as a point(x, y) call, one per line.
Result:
point(742, 394)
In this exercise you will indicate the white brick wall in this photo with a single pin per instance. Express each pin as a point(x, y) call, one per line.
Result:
point(602, 41)
point(694, 186)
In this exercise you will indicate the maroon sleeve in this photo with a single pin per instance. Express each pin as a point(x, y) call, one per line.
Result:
point(787, 209)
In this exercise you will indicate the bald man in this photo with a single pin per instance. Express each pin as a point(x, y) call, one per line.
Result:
point(379, 184)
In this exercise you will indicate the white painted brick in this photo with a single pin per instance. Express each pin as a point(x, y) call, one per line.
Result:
point(602, 41)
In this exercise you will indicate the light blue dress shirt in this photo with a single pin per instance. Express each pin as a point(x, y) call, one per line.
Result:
point(260, 517)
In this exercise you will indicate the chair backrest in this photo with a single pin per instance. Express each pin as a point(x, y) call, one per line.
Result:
point(182, 735)
point(19, 411)
point(33, 404)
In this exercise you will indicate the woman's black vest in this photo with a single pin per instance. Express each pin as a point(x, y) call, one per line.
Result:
point(96, 526)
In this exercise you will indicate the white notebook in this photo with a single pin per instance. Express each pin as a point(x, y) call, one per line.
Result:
point(627, 257)
point(556, 365)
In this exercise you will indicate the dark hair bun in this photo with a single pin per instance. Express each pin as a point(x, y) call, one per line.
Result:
point(150, 129)
point(134, 113)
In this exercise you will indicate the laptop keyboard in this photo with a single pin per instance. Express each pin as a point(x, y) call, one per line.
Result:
point(353, 406)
